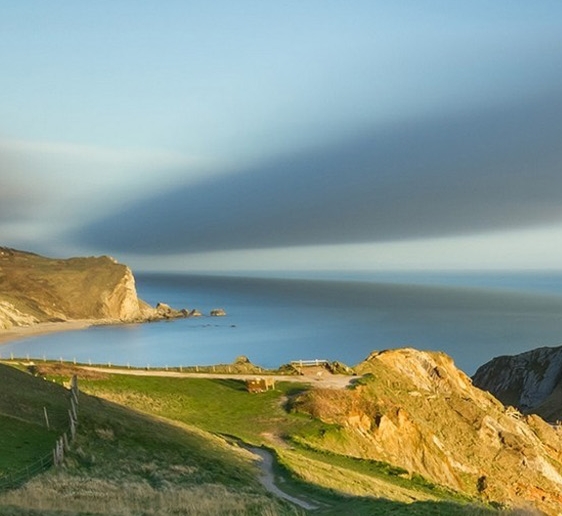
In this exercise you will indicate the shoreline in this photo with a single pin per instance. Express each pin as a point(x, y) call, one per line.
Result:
point(43, 328)
point(15, 333)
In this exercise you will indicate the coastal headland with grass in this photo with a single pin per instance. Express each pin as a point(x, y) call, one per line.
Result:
point(403, 431)
point(187, 445)
point(344, 221)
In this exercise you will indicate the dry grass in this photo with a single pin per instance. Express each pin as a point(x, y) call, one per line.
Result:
point(63, 493)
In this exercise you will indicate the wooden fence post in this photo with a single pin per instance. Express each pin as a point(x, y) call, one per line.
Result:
point(61, 450)
point(73, 409)
point(58, 452)
point(46, 418)
point(72, 426)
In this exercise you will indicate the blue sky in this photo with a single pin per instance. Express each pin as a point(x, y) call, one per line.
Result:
point(298, 134)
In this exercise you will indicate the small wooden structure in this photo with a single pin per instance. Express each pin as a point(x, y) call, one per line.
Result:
point(260, 384)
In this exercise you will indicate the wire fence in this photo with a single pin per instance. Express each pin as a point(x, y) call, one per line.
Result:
point(14, 479)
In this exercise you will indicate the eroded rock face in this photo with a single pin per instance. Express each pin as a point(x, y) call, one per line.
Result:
point(10, 316)
point(122, 301)
point(417, 411)
point(530, 381)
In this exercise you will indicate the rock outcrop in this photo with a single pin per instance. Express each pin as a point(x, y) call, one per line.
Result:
point(530, 381)
point(417, 411)
point(10, 316)
point(36, 289)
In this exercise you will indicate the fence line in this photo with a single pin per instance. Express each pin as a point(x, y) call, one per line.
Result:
point(309, 363)
point(181, 368)
point(54, 458)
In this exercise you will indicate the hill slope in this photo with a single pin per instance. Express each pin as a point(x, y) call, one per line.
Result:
point(122, 462)
point(36, 289)
point(418, 411)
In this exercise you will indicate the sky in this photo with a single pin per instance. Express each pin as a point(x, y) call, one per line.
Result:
point(297, 135)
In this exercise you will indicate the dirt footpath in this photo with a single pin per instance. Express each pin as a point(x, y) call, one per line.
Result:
point(267, 478)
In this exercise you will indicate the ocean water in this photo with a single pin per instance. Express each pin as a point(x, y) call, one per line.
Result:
point(472, 317)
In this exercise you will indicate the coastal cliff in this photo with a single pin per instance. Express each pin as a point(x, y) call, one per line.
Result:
point(417, 411)
point(35, 289)
point(530, 381)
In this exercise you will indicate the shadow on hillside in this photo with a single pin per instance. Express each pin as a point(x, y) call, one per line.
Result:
point(236, 385)
point(380, 507)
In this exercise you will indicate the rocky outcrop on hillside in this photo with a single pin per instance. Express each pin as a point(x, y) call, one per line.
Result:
point(10, 316)
point(417, 411)
point(530, 381)
point(36, 289)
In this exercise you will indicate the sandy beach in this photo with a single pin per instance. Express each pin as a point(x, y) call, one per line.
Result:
point(23, 332)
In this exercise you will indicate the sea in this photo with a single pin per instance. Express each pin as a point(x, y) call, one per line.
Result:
point(280, 317)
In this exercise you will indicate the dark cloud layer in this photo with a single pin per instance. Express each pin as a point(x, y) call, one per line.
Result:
point(452, 175)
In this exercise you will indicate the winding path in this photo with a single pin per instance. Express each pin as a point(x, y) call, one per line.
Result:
point(267, 478)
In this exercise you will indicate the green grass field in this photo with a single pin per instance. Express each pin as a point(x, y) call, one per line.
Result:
point(25, 441)
point(23, 445)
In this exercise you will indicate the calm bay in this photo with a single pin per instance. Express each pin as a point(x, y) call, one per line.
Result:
point(472, 317)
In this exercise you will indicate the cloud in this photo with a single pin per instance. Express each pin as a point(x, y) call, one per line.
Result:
point(48, 187)
point(471, 172)
point(44, 178)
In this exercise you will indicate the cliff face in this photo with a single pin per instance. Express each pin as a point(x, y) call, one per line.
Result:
point(37, 289)
point(416, 410)
point(530, 381)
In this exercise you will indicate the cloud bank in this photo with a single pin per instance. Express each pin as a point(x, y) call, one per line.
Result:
point(457, 174)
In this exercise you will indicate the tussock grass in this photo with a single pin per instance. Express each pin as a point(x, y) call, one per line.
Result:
point(62, 493)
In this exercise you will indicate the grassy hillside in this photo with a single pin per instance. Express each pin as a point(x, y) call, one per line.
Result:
point(333, 482)
point(24, 436)
point(129, 460)
point(124, 462)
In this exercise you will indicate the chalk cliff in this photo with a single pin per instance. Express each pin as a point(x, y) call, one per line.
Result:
point(417, 411)
point(37, 289)
point(530, 381)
